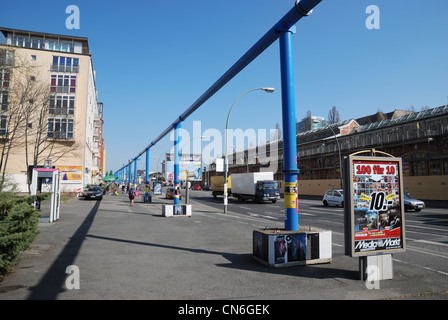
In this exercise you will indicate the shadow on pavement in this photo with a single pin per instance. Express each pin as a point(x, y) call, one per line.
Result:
point(246, 262)
point(53, 281)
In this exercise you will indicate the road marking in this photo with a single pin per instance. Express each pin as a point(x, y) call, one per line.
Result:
point(427, 268)
point(338, 245)
point(306, 214)
point(429, 228)
point(426, 252)
point(428, 242)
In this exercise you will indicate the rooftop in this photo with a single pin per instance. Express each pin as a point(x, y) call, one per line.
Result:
point(44, 41)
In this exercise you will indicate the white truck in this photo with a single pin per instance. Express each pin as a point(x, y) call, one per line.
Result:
point(257, 186)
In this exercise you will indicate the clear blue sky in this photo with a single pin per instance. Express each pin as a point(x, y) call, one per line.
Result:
point(153, 59)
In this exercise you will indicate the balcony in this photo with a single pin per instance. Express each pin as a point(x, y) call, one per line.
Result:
point(63, 68)
point(62, 89)
point(96, 134)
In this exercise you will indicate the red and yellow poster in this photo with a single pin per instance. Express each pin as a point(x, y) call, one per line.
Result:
point(376, 205)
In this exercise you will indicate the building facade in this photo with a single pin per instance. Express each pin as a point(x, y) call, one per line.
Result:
point(50, 108)
point(419, 138)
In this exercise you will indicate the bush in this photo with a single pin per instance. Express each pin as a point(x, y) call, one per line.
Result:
point(18, 228)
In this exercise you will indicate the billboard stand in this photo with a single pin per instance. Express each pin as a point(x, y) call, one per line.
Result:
point(275, 247)
point(377, 267)
point(374, 225)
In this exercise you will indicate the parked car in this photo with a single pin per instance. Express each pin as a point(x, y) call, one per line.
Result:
point(92, 193)
point(169, 194)
point(206, 188)
point(196, 187)
point(412, 204)
point(334, 197)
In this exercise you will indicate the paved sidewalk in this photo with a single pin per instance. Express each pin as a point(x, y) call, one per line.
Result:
point(125, 252)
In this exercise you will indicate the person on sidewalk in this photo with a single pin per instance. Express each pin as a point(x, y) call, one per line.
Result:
point(131, 195)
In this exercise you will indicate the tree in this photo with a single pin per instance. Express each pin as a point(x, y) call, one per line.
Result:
point(27, 119)
point(306, 121)
point(333, 116)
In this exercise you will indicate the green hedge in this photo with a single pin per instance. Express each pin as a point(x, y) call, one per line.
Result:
point(18, 228)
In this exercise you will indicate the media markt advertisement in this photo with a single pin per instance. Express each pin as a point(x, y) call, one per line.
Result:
point(377, 219)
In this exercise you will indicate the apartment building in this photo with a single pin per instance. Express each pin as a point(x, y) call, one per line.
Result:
point(50, 112)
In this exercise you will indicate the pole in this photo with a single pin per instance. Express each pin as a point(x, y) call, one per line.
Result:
point(226, 165)
point(176, 166)
point(340, 157)
point(289, 130)
point(135, 170)
point(301, 9)
point(147, 166)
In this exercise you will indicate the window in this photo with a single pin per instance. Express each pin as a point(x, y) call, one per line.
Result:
point(3, 121)
point(6, 58)
point(60, 128)
point(35, 43)
point(4, 78)
point(62, 105)
point(64, 46)
point(4, 100)
point(65, 64)
point(63, 83)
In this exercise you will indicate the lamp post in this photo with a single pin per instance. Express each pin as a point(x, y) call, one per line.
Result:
point(187, 181)
point(226, 167)
point(340, 158)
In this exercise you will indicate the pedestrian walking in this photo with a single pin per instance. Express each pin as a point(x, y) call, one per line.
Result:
point(131, 195)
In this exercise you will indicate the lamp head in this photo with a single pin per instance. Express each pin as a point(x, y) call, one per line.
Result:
point(267, 89)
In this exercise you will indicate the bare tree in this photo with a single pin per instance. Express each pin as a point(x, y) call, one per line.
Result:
point(27, 125)
point(306, 121)
point(39, 144)
point(12, 112)
point(333, 115)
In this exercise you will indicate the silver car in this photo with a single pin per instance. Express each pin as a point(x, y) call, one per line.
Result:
point(412, 204)
point(334, 197)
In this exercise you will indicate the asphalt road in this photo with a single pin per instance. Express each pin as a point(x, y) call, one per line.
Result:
point(426, 231)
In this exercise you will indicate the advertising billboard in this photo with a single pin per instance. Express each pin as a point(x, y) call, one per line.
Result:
point(70, 174)
point(189, 167)
point(374, 209)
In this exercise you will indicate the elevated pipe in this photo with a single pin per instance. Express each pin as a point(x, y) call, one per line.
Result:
point(301, 9)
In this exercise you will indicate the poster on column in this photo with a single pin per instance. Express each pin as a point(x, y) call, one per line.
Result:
point(376, 205)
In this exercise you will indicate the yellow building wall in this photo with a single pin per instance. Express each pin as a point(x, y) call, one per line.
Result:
point(40, 67)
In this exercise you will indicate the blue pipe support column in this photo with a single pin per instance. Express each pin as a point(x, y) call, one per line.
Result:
point(135, 170)
point(129, 172)
point(176, 165)
point(289, 130)
point(147, 166)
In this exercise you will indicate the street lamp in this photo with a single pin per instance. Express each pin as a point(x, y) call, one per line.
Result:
point(266, 89)
point(340, 158)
